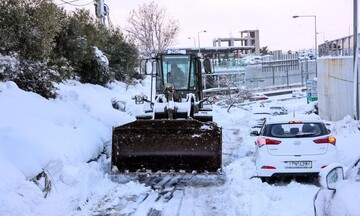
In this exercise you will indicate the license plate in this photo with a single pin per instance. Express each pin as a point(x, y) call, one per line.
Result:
point(298, 164)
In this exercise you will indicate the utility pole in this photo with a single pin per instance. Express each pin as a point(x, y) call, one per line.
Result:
point(355, 62)
point(101, 11)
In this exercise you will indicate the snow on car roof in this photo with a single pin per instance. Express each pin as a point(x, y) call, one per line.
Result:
point(290, 117)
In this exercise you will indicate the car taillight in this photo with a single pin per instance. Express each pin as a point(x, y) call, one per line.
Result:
point(329, 139)
point(262, 142)
point(268, 167)
point(295, 122)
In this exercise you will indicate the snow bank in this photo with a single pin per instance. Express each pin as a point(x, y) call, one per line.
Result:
point(58, 136)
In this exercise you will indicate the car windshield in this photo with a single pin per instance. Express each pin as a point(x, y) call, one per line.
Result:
point(289, 130)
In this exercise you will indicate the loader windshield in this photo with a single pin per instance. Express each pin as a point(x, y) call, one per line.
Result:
point(178, 70)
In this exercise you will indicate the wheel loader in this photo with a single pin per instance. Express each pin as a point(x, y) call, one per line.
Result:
point(176, 132)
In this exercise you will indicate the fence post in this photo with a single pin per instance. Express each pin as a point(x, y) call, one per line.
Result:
point(287, 75)
point(273, 72)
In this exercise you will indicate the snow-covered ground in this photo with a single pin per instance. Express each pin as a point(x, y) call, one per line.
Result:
point(63, 136)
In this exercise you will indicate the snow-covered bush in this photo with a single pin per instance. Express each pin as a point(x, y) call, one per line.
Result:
point(31, 76)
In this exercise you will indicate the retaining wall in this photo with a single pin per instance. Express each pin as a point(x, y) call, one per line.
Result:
point(335, 87)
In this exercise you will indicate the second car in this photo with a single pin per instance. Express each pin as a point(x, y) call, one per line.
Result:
point(289, 146)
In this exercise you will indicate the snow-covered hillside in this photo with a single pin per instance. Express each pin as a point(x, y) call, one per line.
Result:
point(62, 137)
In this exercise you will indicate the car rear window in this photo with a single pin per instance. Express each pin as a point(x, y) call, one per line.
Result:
point(288, 130)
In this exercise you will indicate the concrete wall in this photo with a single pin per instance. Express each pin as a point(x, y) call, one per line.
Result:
point(335, 87)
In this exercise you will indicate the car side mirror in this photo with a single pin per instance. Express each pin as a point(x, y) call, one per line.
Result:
point(148, 67)
point(330, 176)
point(254, 133)
point(333, 177)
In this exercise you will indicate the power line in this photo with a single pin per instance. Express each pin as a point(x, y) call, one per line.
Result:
point(76, 5)
point(68, 2)
point(101, 9)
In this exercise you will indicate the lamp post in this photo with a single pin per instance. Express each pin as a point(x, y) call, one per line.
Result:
point(194, 40)
point(199, 38)
point(315, 39)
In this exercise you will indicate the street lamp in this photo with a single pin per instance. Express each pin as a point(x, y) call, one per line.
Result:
point(315, 39)
point(194, 40)
point(199, 38)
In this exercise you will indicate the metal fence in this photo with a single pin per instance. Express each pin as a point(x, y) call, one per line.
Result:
point(339, 47)
point(278, 77)
point(274, 72)
point(289, 62)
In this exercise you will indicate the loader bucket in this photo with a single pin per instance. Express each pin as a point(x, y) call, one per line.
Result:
point(164, 145)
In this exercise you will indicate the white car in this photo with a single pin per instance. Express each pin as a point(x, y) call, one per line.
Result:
point(339, 194)
point(251, 60)
point(291, 146)
point(278, 110)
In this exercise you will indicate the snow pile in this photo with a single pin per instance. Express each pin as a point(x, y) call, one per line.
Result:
point(100, 56)
point(58, 136)
point(347, 136)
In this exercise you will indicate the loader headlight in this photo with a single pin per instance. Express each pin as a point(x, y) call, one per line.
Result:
point(210, 99)
point(139, 99)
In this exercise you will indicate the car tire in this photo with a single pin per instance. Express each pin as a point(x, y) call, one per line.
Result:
point(265, 179)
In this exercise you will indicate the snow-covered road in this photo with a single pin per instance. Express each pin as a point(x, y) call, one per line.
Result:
point(240, 194)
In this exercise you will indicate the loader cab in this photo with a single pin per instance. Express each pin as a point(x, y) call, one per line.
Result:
point(180, 70)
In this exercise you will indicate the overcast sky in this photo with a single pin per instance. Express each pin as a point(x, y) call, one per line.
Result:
point(225, 18)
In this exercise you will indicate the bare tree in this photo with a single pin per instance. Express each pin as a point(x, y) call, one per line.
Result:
point(151, 29)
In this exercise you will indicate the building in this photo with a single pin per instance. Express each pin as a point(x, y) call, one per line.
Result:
point(248, 38)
